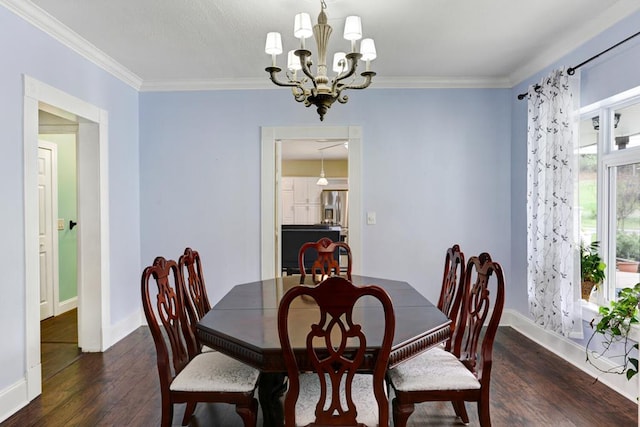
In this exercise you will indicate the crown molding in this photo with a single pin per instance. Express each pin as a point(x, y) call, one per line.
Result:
point(540, 60)
point(590, 29)
point(377, 83)
point(54, 28)
point(206, 84)
point(464, 82)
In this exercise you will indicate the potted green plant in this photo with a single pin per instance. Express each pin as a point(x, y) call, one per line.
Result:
point(591, 268)
point(613, 329)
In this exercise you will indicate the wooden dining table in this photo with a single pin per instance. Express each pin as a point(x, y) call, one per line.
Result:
point(244, 325)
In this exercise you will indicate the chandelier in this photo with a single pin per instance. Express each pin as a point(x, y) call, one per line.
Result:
point(319, 90)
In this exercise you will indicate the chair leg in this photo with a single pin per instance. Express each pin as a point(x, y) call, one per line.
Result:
point(167, 415)
point(461, 411)
point(401, 413)
point(248, 413)
point(188, 412)
point(483, 413)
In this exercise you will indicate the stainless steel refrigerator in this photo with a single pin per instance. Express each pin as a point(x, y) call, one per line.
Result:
point(334, 206)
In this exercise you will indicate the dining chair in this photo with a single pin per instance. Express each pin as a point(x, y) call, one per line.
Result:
point(195, 297)
point(465, 377)
point(204, 377)
point(451, 292)
point(334, 393)
point(325, 263)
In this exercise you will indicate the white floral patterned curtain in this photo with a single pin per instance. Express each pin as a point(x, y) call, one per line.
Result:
point(553, 277)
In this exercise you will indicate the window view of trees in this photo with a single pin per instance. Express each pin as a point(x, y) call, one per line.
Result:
point(618, 219)
point(628, 215)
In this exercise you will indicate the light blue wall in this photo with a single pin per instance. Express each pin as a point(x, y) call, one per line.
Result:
point(612, 73)
point(26, 50)
point(435, 169)
point(440, 167)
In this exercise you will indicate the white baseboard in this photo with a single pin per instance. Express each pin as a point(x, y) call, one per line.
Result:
point(68, 305)
point(16, 396)
point(124, 328)
point(570, 351)
point(13, 398)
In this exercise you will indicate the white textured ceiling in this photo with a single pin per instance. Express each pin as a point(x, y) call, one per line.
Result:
point(173, 44)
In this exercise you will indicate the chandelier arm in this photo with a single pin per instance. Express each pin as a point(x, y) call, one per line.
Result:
point(342, 98)
point(299, 94)
point(368, 75)
point(304, 54)
point(272, 75)
point(353, 61)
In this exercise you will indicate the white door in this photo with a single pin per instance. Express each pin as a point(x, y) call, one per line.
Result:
point(47, 183)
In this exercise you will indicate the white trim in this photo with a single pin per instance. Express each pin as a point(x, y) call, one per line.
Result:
point(425, 82)
point(570, 351)
point(12, 399)
point(93, 242)
point(126, 326)
point(611, 102)
point(54, 28)
point(578, 36)
point(269, 213)
point(67, 305)
point(60, 32)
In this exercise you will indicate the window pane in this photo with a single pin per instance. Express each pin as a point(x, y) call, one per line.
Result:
point(588, 174)
point(627, 210)
point(626, 130)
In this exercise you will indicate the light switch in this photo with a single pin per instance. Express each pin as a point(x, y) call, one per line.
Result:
point(371, 218)
point(60, 224)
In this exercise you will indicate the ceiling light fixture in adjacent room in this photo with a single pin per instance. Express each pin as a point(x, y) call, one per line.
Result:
point(321, 92)
point(322, 180)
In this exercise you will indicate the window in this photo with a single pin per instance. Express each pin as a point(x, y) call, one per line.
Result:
point(609, 189)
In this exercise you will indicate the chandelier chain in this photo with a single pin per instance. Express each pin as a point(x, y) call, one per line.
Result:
point(323, 4)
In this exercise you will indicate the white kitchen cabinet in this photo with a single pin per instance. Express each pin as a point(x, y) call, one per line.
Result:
point(287, 183)
point(306, 214)
point(287, 207)
point(301, 198)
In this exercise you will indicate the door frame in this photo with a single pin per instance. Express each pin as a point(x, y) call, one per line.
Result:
point(271, 181)
point(93, 222)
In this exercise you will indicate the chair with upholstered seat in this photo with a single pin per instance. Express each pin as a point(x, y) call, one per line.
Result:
point(195, 298)
point(325, 264)
point(203, 377)
point(452, 287)
point(449, 303)
point(334, 393)
point(462, 378)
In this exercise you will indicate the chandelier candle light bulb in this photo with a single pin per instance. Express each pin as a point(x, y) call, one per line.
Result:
point(318, 89)
point(273, 46)
point(353, 30)
point(302, 27)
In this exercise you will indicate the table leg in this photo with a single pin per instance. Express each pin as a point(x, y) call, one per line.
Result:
point(270, 388)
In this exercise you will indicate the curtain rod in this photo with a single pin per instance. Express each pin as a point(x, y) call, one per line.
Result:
point(571, 70)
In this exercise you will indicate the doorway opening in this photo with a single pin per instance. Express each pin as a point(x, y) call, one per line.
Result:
point(57, 150)
point(92, 220)
point(271, 184)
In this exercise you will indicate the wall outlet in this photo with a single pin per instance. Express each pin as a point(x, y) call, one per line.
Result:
point(60, 224)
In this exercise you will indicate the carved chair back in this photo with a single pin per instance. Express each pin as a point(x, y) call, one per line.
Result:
point(452, 289)
point(325, 264)
point(484, 285)
point(335, 347)
point(163, 305)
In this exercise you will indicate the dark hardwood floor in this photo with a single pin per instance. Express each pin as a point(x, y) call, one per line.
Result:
point(530, 387)
point(59, 342)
